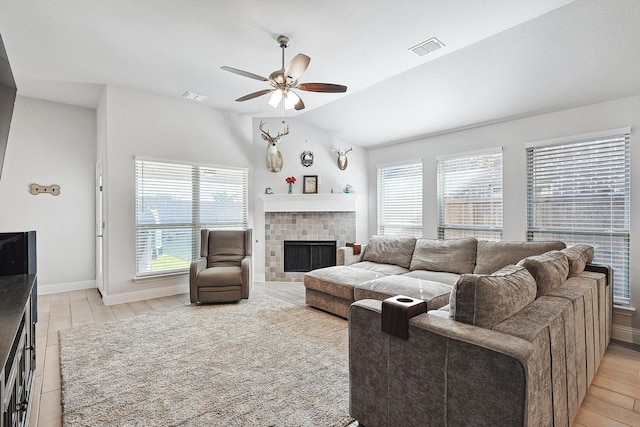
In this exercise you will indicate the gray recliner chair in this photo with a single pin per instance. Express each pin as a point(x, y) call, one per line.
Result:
point(224, 272)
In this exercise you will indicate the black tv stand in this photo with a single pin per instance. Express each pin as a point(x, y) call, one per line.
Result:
point(17, 348)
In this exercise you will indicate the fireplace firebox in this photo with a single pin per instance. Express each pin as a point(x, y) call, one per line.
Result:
point(307, 255)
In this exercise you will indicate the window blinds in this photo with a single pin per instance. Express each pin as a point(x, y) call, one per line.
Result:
point(470, 196)
point(174, 201)
point(400, 200)
point(579, 192)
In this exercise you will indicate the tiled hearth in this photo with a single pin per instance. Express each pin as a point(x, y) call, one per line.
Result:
point(281, 226)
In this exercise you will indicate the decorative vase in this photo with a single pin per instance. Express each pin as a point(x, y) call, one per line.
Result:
point(290, 187)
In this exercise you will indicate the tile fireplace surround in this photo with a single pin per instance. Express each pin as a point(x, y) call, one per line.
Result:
point(304, 217)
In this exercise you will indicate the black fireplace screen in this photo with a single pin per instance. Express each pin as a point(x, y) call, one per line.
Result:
point(307, 255)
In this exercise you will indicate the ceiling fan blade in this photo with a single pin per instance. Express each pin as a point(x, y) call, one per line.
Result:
point(299, 105)
point(255, 94)
point(322, 87)
point(297, 66)
point(244, 73)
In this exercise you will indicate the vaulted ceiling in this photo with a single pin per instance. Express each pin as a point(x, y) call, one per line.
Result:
point(501, 59)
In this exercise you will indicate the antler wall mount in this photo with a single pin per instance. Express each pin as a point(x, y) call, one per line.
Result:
point(285, 79)
point(274, 157)
point(342, 160)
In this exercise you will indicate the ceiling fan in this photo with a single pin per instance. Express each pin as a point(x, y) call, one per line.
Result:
point(282, 81)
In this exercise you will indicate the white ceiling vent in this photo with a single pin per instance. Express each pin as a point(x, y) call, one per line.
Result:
point(427, 46)
point(193, 96)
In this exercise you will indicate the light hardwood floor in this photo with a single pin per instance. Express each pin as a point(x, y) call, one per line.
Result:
point(613, 398)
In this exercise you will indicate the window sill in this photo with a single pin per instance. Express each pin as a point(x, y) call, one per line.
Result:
point(624, 310)
point(160, 276)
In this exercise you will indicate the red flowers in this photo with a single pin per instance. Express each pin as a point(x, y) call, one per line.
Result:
point(291, 179)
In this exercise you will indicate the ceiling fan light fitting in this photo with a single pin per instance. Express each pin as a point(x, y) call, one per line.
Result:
point(290, 100)
point(275, 98)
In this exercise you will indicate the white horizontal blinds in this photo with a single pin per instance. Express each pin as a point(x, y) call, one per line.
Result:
point(400, 200)
point(173, 202)
point(579, 192)
point(223, 198)
point(470, 196)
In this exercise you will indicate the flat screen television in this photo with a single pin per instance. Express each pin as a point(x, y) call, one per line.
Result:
point(7, 100)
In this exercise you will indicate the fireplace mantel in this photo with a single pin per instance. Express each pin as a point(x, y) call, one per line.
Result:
point(338, 202)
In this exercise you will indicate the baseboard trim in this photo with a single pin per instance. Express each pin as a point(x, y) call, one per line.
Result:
point(56, 288)
point(127, 297)
point(626, 333)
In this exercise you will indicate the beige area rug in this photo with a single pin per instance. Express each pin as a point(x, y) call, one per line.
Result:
point(260, 362)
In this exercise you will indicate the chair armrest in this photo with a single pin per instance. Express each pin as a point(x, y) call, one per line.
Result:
point(247, 276)
point(194, 269)
point(345, 256)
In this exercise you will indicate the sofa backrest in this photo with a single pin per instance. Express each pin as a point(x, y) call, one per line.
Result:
point(492, 256)
point(453, 256)
point(395, 250)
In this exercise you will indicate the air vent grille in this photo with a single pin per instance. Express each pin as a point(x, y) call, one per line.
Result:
point(194, 96)
point(427, 46)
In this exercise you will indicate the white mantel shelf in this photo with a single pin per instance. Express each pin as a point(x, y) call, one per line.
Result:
point(337, 202)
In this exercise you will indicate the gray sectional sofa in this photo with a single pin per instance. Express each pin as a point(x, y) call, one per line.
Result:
point(513, 335)
point(420, 268)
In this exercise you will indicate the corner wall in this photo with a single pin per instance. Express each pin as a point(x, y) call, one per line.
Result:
point(141, 124)
point(52, 143)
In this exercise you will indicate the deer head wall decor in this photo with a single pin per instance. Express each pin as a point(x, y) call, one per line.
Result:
point(343, 162)
point(274, 157)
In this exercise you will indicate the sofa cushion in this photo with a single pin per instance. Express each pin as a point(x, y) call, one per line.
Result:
point(395, 250)
point(338, 280)
point(440, 312)
point(549, 269)
point(486, 301)
point(579, 256)
point(434, 276)
point(492, 256)
point(454, 256)
point(434, 294)
point(385, 269)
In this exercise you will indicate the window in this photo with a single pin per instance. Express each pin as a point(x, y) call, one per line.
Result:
point(579, 192)
point(173, 202)
point(470, 196)
point(400, 200)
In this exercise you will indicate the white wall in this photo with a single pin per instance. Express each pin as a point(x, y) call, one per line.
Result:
point(52, 143)
point(303, 137)
point(150, 126)
point(513, 136)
